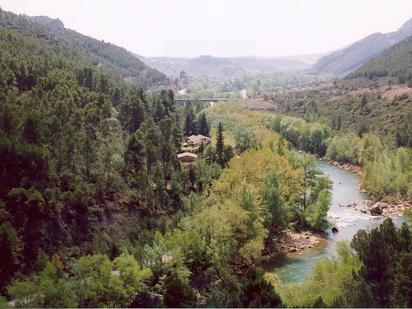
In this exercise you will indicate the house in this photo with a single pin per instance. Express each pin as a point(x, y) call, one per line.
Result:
point(187, 157)
point(197, 140)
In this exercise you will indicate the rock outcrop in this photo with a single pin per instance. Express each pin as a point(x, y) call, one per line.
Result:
point(376, 209)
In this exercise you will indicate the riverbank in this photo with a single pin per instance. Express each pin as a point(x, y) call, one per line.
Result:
point(291, 241)
point(293, 267)
point(294, 241)
point(391, 206)
point(346, 166)
point(378, 208)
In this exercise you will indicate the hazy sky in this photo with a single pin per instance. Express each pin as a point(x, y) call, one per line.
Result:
point(223, 27)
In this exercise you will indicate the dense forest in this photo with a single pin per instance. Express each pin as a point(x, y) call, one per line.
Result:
point(94, 187)
point(96, 199)
point(79, 149)
point(99, 53)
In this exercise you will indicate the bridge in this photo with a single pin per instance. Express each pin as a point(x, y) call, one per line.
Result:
point(208, 100)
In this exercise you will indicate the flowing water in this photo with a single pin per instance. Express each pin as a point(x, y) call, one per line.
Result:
point(294, 267)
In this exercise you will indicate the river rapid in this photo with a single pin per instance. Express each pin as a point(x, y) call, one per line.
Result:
point(293, 268)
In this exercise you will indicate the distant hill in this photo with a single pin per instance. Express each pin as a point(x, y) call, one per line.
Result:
point(225, 68)
point(395, 62)
point(346, 60)
point(113, 57)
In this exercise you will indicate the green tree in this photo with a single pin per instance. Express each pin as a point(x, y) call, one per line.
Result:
point(9, 251)
point(385, 270)
point(318, 212)
point(203, 125)
point(178, 292)
point(51, 288)
point(89, 151)
point(220, 145)
point(190, 123)
point(256, 292)
point(132, 113)
point(134, 156)
point(273, 204)
point(132, 276)
point(97, 285)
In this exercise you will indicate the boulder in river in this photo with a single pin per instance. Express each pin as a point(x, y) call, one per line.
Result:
point(376, 209)
point(335, 230)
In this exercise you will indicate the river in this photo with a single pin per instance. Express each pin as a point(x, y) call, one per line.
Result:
point(293, 268)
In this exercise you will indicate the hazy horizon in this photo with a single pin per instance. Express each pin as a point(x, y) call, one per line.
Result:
point(184, 28)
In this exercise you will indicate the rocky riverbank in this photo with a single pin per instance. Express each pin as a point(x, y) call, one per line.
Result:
point(291, 241)
point(294, 241)
point(375, 208)
point(381, 208)
point(347, 166)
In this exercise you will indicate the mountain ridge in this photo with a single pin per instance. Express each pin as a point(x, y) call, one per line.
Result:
point(228, 67)
point(346, 60)
point(396, 62)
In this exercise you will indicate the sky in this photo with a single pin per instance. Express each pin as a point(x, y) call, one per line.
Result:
point(189, 28)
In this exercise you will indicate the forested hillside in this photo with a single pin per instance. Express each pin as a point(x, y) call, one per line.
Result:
point(359, 105)
point(95, 208)
point(344, 61)
point(396, 63)
point(112, 57)
point(96, 199)
point(81, 153)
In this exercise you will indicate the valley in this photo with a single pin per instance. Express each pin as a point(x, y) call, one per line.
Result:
point(250, 181)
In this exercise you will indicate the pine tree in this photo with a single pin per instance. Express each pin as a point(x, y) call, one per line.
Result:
point(203, 125)
point(134, 157)
point(190, 125)
point(137, 115)
point(220, 145)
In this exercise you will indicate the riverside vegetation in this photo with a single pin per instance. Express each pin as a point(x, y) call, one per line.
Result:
point(96, 210)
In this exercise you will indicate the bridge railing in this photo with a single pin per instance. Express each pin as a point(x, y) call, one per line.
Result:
point(214, 100)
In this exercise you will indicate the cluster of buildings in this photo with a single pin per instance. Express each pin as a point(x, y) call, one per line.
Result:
point(193, 143)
